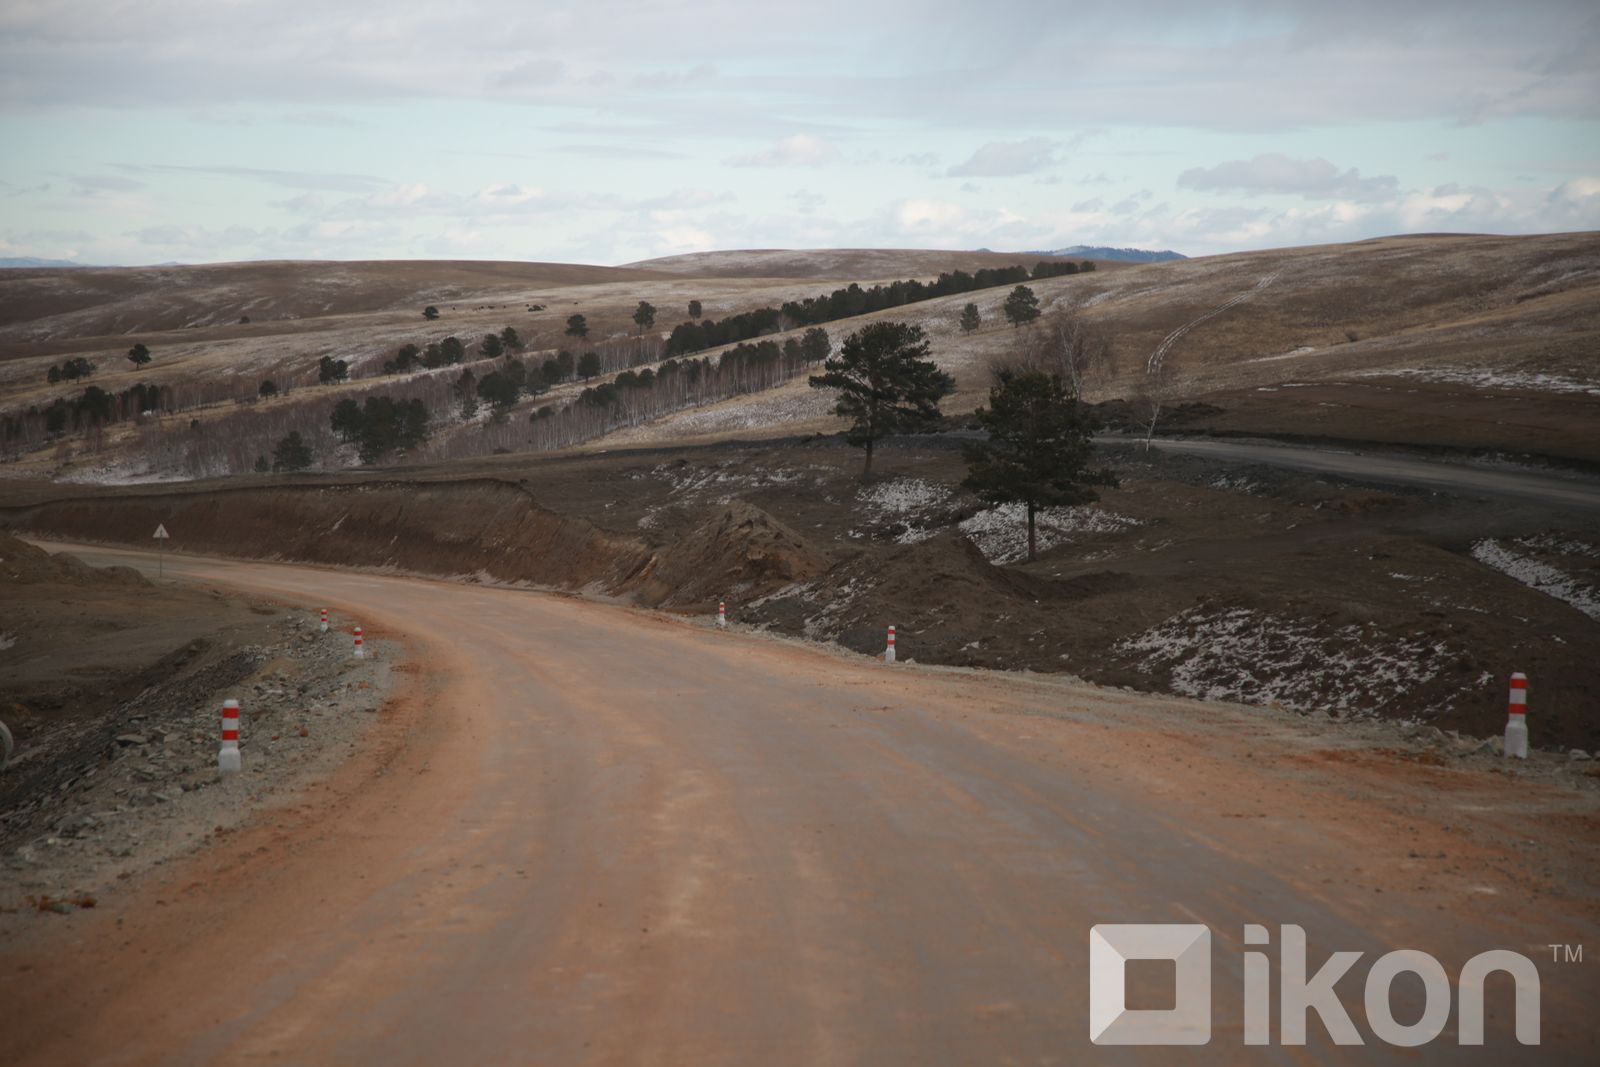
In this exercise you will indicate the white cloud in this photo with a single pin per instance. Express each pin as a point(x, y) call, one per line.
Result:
point(799, 150)
point(923, 216)
point(1007, 159)
point(807, 202)
point(293, 179)
point(1276, 173)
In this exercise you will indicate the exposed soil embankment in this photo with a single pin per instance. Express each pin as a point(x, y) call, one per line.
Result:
point(1220, 582)
point(111, 685)
point(741, 551)
point(482, 527)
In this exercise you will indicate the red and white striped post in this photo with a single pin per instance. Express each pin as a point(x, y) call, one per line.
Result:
point(361, 652)
point(722, 615)
point(228, 757)
point(888, 653)
point(1517, 722)
point(324, 620)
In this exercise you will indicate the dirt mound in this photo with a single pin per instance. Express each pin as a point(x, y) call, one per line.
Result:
point(482, 526)
point(741, 553)
point(949, 603)
point(22, 563)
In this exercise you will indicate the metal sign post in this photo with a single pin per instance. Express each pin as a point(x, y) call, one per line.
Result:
point(161, 540)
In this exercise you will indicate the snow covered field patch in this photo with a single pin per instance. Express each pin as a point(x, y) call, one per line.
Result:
point(1546, 578)
point(911, 501)
point(1001, 533)
point(1489, 378)
point(1259, 658)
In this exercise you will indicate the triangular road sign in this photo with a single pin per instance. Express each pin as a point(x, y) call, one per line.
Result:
point(161, 532)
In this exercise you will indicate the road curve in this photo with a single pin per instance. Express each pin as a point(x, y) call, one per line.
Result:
point(591, 835)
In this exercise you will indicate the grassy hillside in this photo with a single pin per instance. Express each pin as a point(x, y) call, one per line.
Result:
point(1462, 342)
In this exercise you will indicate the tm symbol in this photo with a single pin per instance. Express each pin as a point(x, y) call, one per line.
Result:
point(1565, 953)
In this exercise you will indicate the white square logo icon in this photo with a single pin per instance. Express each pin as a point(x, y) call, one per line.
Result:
point(1188, 946)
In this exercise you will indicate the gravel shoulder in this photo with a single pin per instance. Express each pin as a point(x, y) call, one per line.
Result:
point(116, 774)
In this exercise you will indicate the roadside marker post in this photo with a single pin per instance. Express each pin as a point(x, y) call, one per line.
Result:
point(888, 653)
point(324, 620)
point(722, 615)
point(161, 536)
point(361, 652)
point(228, 757)
point(1517, 721)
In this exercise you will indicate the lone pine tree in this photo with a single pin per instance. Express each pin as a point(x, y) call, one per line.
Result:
point(886, 383)
point(1038, 452)
point(1022, 306)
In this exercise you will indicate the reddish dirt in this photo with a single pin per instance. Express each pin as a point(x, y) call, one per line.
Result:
point(720, 848)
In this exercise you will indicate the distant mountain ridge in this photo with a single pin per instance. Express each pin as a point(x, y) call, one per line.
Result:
point(9, 262)
point(1118, 255)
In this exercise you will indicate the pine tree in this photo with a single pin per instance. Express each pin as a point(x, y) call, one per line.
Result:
point(1038, 451)
point(332, 370)
point(644, 316)
point(467, 393)
point(346, 420)
point(970, 319)
point(139, 354)
point(1021, 307)
point(577, 326)
point(291, 453)
point(498, 391)
point(886, 383)
point(815, 345)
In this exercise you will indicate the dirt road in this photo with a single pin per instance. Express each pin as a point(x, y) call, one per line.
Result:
point(1576, 492)
point(591, 835)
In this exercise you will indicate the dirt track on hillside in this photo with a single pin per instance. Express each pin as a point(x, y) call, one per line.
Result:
point(590, 835)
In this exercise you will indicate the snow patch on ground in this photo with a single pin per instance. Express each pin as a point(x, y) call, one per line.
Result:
point(136, 470)
point(1303, 350)
point(776, 407)
point(904, 500)
point(1489, 378)
point(701, 481)
point(6, 641)
point(1258, 658)
point(1562, 546)
point(1235, 483)
point(1001, 533)
point(824, 624)
point(1540, 576)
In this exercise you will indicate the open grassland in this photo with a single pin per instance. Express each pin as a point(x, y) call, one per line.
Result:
point(1462, 342)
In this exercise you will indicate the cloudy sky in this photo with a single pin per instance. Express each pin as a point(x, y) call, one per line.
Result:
point(145, 131)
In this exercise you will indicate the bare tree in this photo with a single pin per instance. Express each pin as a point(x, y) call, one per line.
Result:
point(1150, 397)
point(1063, 343)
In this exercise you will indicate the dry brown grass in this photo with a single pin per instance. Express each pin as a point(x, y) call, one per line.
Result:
point(1507, 305)
point(855, 264)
